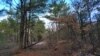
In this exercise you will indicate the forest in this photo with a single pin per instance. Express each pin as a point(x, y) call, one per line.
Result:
point(49, 27)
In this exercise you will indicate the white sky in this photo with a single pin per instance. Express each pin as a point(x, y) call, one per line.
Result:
point(3, 17)
point(47, 22)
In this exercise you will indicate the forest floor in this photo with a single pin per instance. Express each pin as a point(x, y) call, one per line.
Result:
point(41, 49)
point(36, 50)
point(29, 53)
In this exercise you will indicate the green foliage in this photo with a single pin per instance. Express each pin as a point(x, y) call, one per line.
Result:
point(39, 26)
point(9, 24)
point(59, 8)
point(8, 29)
point(39, 29)
point(2, 37)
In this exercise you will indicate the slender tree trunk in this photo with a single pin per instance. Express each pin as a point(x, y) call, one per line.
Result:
point(29, 26)
point(91, 35)
point(22, 25)
point(98, 31)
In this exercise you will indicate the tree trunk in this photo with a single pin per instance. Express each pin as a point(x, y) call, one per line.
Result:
point(22, 24)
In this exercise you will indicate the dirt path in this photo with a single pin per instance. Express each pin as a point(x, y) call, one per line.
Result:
point(28, 53)
point(41, 50)
point(36, 50)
